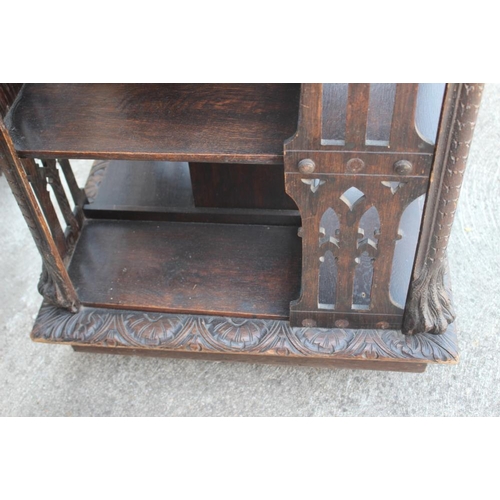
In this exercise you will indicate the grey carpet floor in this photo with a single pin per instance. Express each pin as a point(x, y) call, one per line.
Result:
point(48, 380)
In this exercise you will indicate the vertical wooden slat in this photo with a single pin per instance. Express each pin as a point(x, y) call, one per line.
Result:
point(310, 266)
point(308, 134)
point(404, 135)
point(54, 180)
point(39, 185)
point(77, 193)
point(357, 115)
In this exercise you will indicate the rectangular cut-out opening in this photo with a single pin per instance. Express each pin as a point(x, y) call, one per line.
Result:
point(334, 111)
point(404, 251)
point(178, 191)
point(362, 286)
point(380, 109)
point(429, 103)
point(368, 234)
point(140, 183)
point(327, 281)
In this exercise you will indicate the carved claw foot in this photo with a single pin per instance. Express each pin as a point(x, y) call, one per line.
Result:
point(428, 308)
point(49, 291)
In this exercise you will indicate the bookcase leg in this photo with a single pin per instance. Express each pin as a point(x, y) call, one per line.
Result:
point(428, 307)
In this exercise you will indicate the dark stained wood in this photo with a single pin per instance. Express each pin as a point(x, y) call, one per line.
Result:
point(226, 291)
point(313, 201)
point(382, 165)
point(218, 185)
point(8, 94)
point(403, 137)
point(54, 181)
point(395, 366)
point(162, 191)
point(76, 192)
point(238, 270)
point(357, 115)
point(380, 176)
point(142, 184)
point(188, 214)
point(403, 129)
point(190, 122)
point(55, 284)
point(309, 127)
point(233, 337)
point(429, 307)
point(37, 179)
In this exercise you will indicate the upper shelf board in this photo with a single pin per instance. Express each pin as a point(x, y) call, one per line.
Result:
point(245, 123)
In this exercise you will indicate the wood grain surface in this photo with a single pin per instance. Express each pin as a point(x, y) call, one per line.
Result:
point(226, 269)
point(233, 337)
point(189, 122)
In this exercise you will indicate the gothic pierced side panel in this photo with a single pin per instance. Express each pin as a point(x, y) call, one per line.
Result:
point(380, 140)
point(350, 229)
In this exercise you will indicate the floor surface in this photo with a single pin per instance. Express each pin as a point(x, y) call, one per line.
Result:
point(49, 380)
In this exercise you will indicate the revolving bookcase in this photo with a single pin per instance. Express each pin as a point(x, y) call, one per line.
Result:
point(278, 223)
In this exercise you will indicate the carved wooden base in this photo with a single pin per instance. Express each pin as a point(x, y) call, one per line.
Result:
point(238, 339)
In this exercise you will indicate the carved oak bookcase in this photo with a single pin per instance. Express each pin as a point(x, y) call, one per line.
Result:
point(279, 223)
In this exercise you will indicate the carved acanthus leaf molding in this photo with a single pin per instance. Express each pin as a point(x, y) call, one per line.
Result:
point(135, 329)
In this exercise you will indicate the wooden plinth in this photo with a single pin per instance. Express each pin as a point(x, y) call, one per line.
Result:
point(239, 339)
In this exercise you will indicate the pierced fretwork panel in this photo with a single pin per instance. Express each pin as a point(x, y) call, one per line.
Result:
point(358, 220)
point(368, 116)
point(61, 216)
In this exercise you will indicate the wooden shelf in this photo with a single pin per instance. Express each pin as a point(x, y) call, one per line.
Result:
point(222, 269)
point(245, 123)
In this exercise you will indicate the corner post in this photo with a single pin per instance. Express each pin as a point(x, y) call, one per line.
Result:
point(54, 285)
point(428, 306)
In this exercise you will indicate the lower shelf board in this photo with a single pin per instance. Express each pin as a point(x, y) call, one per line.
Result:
point(240, 339)
point(220, 269)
